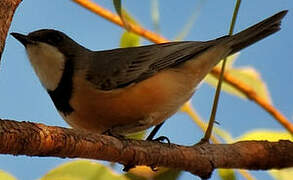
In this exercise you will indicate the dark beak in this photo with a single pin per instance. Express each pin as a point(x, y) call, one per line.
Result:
point(22, 38)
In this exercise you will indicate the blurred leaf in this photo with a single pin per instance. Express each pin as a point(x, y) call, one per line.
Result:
point(252, 78)
point(168, 174)
point(120, 12)
point(190, 22)
point(266, 135)
point(6, 176)
point(227, 174)
point(248, 75)
point(140, 173)
point(134, 177)
point(138, 135)
point(129, 39)
point(82, 170)
point(284, 174)
point(146, 173)
point(212, 80)
point(129, 17)
point(155, 15)
point(230, 61)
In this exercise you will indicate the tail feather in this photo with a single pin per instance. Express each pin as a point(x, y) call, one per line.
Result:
point(256, 32)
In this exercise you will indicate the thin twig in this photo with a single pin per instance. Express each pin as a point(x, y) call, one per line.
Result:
point(251, 94)
point(209, 130)
point(188, 109)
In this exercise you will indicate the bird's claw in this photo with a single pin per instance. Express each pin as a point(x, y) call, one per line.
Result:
point(162, 139)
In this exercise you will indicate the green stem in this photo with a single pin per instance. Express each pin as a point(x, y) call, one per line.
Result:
point(208, 132)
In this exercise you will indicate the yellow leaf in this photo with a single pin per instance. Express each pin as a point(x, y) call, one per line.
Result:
point(227, 174)
point(138, 135)
point(129, 39)
point(247, 75)
point(253, 79)
point(142, 171)
point(82, 170)
point(6, 176)
point(269, 135)
point(284, 174)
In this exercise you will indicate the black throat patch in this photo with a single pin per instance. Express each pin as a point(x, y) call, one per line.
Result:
point(62, 94)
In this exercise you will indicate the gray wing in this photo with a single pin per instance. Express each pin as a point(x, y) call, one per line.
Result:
point(121, 67)
point(118, 68)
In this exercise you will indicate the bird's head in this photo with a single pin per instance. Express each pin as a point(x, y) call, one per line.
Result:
point(48, 50)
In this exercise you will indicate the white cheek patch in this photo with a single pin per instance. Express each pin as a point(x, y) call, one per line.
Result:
point(48, 63)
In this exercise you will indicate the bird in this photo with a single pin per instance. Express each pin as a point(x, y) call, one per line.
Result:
point(127, 90)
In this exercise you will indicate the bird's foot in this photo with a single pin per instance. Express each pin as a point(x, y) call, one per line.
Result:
point(162, 139)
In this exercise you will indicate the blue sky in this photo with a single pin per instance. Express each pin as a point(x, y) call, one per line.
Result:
point(23, 98)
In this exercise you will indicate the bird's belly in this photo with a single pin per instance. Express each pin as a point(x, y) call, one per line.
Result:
point(133, 108)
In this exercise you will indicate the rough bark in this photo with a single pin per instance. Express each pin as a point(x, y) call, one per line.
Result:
point(33, 139)
point(7, 8)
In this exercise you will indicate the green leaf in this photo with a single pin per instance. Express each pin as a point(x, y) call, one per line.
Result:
point(262, 134)
point(129, 39)
point(227, 174)
point(247, 75)
point(6, 176)
point(168, 174)
point(121, 12)
point(118, 7)
point(82, 170)
point(284, 174)
point(138, 135)
point(131, 176)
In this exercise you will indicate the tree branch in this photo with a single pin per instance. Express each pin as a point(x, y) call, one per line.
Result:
point(7, 8)
point(33, 139)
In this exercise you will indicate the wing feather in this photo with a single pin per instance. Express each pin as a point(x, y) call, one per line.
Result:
point(118, 68)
